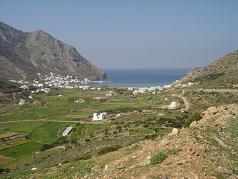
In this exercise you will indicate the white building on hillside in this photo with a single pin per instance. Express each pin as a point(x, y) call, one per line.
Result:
point(24, 87)
point(21, 102)
point(173, 105)
point(99, 117)
point(110, 93)
point(67, 131)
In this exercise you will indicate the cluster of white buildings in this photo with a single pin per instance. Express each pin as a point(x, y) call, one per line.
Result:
point(58, 81)
point(19, 82)
point(24, 87)
point(44, 82)
point(79, 101)
point(99, 117)
point(152, 90)
point(183, 85)
point(44, 90)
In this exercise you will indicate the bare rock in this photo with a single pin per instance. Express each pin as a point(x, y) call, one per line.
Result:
point(193, 124)
point(175, 131)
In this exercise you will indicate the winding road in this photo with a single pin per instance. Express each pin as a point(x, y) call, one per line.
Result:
point(185, 101)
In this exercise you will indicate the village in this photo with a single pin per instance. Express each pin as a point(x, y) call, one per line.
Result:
point(44, 84)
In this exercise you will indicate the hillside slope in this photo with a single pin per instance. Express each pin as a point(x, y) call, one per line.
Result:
point(207, 149)
point(23, 55)
point(222, 72)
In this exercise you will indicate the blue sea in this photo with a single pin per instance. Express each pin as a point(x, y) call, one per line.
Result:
point(142, 77)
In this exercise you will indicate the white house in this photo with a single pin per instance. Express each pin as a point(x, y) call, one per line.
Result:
point(95, 117)
point(173, 105)
point(67, 131)
point(110, 93)
point(34, 169)
point(21, 102)
point(98, 98)
point(99, 117)
point(135, 92)
point(79, 101)
point(24, 87)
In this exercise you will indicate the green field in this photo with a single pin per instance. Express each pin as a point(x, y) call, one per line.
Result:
point(19, 150)
point(42, 126)
point(47, 133)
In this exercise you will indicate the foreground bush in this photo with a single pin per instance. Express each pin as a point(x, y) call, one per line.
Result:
point(158, 158)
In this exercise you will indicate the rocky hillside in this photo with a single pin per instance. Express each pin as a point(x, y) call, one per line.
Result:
point(207, 149)
point(23, 55)
point(222, 72)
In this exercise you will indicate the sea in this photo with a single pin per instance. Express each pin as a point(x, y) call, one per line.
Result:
point(142, 77)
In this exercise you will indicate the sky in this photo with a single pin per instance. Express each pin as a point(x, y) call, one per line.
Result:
point(133, 33)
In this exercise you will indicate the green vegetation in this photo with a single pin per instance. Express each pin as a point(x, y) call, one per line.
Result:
point(47, 133)
point(201, 100)
point(42, 125)
point(158, 158)
point(21, 127)
point(142, 117)
point(20, 150)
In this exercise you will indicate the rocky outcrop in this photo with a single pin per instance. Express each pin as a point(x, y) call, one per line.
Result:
point(23, 55)
point(195, 152)
point(219, 116)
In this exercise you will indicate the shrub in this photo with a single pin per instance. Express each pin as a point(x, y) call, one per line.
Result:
point(158, 158)
point(4, 170)
point(108, 149)
point(85, 157)
point(72, 98)
point(46, 147)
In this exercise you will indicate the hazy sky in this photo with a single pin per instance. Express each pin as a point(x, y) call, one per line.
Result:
point(134, 33)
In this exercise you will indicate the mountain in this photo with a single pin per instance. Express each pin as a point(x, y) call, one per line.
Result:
point(222, 72)
point(24, 54)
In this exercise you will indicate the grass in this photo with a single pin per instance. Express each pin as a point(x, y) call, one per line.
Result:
point(19, 150)
point(90, 144)
point(43, 132)
point(110, 135)
point(41, 160)
point(37, 133)
point(17, 142)
point(82, 168)
point(4, 146)
point(47, 133)
point(158, 158)
point(29, 114)
point(21, 127)
point(57, 108)
point(142, 131)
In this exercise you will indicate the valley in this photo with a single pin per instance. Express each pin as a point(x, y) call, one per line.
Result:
point(145, 102)
point(131, 119)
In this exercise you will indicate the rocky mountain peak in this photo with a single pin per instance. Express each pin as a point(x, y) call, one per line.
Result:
point(24, 54)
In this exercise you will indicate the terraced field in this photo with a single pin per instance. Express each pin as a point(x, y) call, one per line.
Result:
point(142, 117)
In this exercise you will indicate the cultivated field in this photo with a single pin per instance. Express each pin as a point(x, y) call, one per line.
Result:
point(38, 140)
